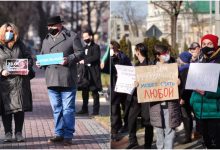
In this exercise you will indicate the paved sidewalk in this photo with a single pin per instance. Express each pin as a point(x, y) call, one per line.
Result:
point(38, 126)
point(123, 143)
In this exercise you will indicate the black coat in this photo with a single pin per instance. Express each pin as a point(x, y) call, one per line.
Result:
point(15, 90)
point(70, 45)
point(120, 59)
point(145, 107)
point(92, 62)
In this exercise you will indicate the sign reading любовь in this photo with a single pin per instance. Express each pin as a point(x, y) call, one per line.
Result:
point(125, 79)
point(17, 66)
point(203, 76)
point(157, 82)
point(50, 59)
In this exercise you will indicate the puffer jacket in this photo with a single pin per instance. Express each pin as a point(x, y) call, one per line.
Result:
point(208, 105)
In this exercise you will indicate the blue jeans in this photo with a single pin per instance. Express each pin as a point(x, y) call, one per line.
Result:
point(165, 135)
point(62, 101)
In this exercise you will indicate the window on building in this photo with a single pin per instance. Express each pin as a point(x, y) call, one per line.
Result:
point(118, 36)
point(118, 27)
point(126, 27)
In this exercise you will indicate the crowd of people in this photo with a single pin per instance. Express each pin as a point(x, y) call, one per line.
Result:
point(62, 79)
point(165, 116)
point(84, 55)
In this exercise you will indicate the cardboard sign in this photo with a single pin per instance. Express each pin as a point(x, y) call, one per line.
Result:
point(125, 80)
point(50, 59)
point(157, 82)
point(203, 76)
point(17, 66)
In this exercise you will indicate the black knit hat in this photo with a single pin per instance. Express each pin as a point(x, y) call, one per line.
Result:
point(54, 20)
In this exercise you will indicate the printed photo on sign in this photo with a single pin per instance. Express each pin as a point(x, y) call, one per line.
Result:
point(125, 79)
point(17, 66)
point(157, 83)
point(203, 76)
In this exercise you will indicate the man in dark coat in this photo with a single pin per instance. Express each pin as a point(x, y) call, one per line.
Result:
point(61, 79)
point(92, 64)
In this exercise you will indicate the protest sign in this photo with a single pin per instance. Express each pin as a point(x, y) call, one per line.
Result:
point(125, 79)
point(203, 76)
point(17, 66)
point(50, 59)
point(157, 82)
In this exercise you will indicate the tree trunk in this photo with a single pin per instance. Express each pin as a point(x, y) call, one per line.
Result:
point(89, 16)
point(173, 30)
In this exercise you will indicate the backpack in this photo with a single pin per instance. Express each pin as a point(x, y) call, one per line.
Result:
point(82, 77)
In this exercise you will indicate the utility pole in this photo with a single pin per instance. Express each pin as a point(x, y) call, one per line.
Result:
point(217, 18)
point(210, 12)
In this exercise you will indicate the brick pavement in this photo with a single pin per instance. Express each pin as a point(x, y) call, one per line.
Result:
point(38, 126)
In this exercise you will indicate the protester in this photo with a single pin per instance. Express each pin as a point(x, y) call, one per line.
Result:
point(15, 90)
point(186, 110)
point(164, 116)
point(117, 58)
point(61, 79)
point(206, 104)
point(92, 65)
point(194, 49)
point(137, 108)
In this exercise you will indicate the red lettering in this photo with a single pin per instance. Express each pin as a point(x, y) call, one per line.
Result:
point(165, 91)
point(160, 94)
point(171, 92)
point(146, 94)
point(155, 92)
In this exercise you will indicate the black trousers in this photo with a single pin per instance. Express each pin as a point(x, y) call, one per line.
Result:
point(211, 133)
point(118, 103)
point(135, 110)
point(18, 119)
point(187, 119)
point(96, 103)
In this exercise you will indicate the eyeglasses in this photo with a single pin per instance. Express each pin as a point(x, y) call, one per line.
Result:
point(192, 49)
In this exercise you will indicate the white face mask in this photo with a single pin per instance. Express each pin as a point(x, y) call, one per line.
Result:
point(8, 36)
point(166, 57)
point(111, 52)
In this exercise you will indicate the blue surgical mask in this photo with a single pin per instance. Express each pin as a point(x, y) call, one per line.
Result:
point(9, 36)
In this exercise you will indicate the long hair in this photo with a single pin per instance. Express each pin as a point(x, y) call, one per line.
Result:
point(3, 28)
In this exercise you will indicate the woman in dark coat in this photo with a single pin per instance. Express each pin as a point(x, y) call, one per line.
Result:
point(15, 91)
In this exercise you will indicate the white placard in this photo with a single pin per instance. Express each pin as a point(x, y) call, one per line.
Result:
point(203, 76)
point(125, 79)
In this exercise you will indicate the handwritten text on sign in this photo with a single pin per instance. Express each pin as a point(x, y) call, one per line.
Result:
point(203, 76)
point(125, 80)
point(157, 82)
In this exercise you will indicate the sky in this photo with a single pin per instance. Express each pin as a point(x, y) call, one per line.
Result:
point(140, 5)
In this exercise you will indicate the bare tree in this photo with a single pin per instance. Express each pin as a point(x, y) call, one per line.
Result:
point(130, 14)
point(16, 12)
point(100, 7)
point(172, 8)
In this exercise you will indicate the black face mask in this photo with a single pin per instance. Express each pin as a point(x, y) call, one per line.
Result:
point(53, 31)
point(208, 51)
point(87, 41)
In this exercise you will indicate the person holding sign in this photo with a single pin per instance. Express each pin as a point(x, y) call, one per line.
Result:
point(15, 90)
point(137, 108)
point(117, 57)
point(61, 78)
point(206, 105)
point(164, 116)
